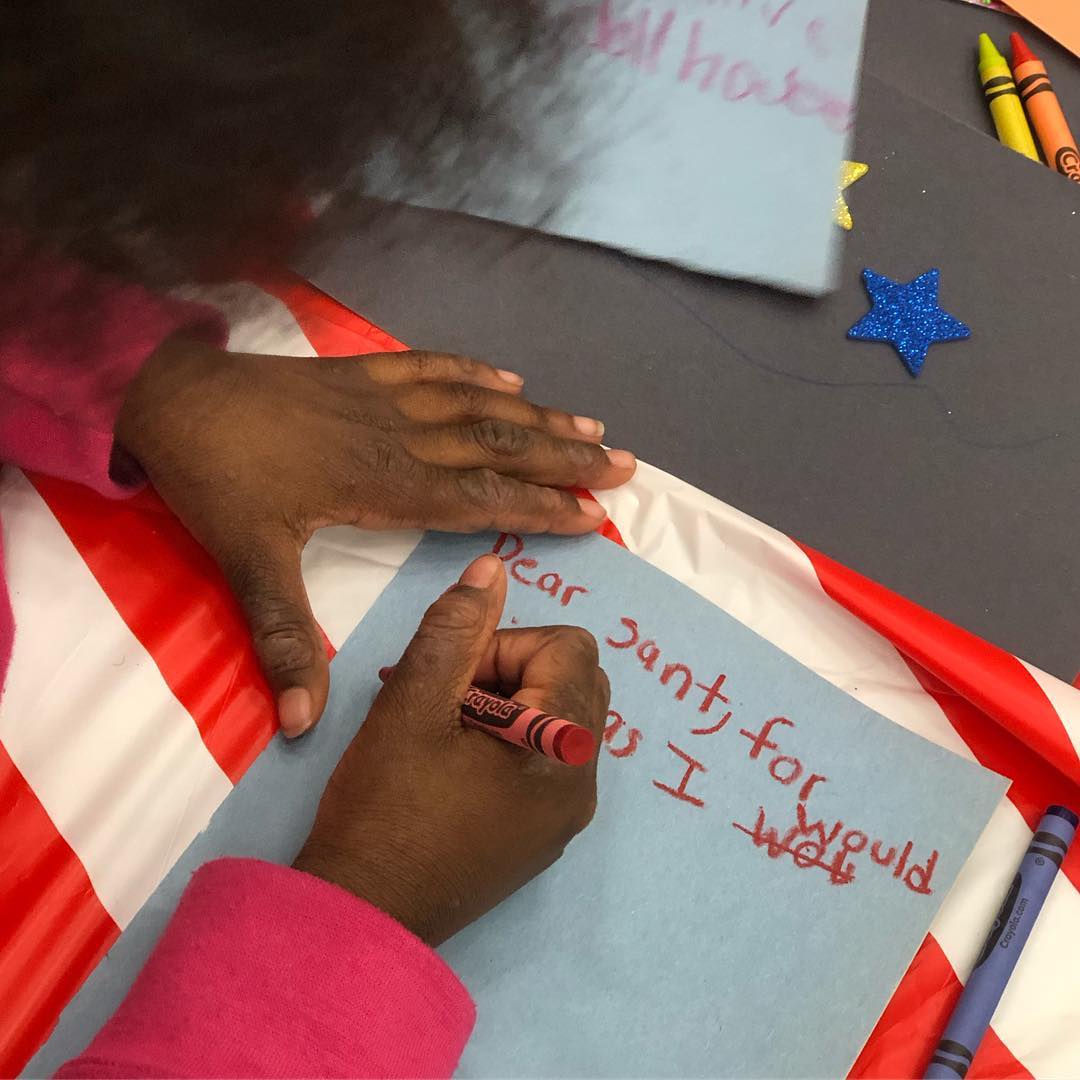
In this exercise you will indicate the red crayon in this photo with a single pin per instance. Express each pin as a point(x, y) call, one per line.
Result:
point(1044, 110)
point(555, 738)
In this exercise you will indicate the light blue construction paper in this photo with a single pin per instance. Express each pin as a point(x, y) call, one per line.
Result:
point(632, 144)
point(664, 943)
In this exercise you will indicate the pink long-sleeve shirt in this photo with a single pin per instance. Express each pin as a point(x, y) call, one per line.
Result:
point(263, 971)
point(266, 971)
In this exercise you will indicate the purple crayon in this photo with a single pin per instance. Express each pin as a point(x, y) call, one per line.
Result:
point(1012, 926)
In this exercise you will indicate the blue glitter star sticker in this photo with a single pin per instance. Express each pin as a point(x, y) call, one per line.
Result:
point(907, 316)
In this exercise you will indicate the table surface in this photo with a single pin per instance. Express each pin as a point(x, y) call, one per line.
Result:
point(958, 489)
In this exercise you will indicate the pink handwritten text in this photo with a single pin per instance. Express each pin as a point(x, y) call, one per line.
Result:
point(645, 38)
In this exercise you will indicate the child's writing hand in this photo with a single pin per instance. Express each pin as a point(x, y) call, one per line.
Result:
point(255, 453)
point(434, 822)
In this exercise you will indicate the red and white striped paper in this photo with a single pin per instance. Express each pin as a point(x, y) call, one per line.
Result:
point(134, 704)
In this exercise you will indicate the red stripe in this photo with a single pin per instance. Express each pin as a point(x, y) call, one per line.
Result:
point(992, 680)
point(180, 610)
point(332, 328)
point(920, 1008)
point(1036, 784)
point(609, 529)
point(1037, 780)
point(53, 929)
point(905, 1036)
point(172, 596)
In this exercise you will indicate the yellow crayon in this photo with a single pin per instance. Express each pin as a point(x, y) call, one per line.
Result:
point(1004, 101)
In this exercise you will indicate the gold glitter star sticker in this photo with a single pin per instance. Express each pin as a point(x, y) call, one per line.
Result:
point(849, 173)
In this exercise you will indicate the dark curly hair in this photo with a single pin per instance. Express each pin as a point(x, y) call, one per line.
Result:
point(158, 139)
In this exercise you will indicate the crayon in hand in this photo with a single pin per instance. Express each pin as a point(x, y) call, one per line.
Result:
point(1004, 101)
point(1044, 110)
point(555, 738)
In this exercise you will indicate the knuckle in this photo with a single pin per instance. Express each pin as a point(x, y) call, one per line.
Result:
point(555, 504)
point(384, 459)
point(584, 455)
point(466, 365)
point(578, 645)
point(424, 363)
point(455, 614)
point(576, 657)
point(541, 417)
point(484, 487)
point(339, 367)
point(501, 439)
point(282, 637)
point(359, 416)
point(466, 398)
point(603, 691)
point(412, 402)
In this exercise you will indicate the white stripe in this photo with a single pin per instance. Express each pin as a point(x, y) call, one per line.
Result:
point(968, 912)
point(1039, 1016)
point(345, 570)
point(116, 762)
point(258, 322)
point(1065, 700)
point(762, 578)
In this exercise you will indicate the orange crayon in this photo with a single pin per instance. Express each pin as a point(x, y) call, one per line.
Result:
point(1044, 110)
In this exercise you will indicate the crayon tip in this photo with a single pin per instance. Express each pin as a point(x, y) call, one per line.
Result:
point(1021, 54)
point(1064, 812)
point(575, 745)
point(988, 51)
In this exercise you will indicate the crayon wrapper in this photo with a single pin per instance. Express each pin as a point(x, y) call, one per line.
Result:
point(514, 722)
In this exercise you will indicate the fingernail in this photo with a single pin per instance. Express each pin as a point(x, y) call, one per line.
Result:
point(591, 508)
point(622, 459)
point(512, 377)
point(481, 573)
point(588, 426)
point(295, 711)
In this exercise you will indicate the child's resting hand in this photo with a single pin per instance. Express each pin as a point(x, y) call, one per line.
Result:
point(254, 453)
point(434, 822)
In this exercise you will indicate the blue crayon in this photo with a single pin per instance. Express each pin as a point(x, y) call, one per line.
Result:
point(1003, 946)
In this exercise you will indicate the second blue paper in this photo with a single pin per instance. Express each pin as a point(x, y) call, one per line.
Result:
point(767, 855)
